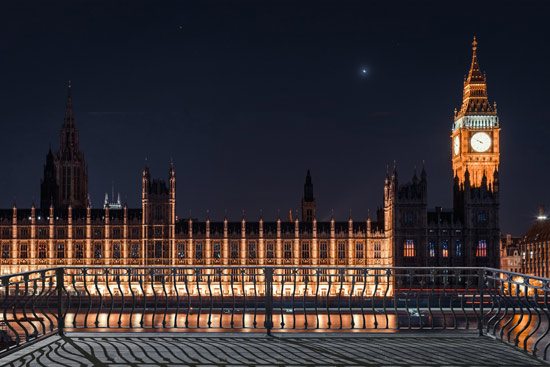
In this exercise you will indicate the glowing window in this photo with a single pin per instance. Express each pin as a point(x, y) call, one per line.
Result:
point(481, 250)
point(445, 249)
point(408, 248)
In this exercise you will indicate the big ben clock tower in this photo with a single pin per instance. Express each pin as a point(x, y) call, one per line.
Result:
point(475, 142)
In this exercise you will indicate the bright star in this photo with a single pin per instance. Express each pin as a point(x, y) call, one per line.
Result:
point(363, 71)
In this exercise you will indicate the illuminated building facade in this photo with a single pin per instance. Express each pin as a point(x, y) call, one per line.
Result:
point(535, 247)
point(67, 230)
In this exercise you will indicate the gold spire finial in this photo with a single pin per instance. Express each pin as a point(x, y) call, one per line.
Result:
point(474, 44)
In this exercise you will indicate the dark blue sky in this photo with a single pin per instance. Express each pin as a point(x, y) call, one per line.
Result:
point(246, 96)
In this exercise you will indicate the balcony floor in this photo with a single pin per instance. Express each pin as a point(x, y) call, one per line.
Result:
point(292, 349)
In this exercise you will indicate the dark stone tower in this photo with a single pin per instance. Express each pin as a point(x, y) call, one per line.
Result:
point(65, 181)
point(158, 202)
point(308, 201)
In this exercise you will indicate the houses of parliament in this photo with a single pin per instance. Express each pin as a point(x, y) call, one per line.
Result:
point(66, 230)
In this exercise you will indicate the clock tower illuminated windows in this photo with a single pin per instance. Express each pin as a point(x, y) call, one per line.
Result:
point(475, 144)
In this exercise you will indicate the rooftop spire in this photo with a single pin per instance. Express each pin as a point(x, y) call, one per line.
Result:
point(475, 74)
point(475, 100)
point(69, 134)
point(308, 188)
point(69, 115)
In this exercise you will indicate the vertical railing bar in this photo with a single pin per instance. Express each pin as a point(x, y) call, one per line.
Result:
point(79, 296)
point(388, 274)
point(175, 281)
point(398, 282)
point(153, 277)
point(100, 308)
point(508, 302)
point(33, 306)
point(340, 291)
point(268, 271)
point(294, 280)
point(208, 282)
point(141, 279)
point(6, 284)
point(198, 279)
point(254, 275)
point(15, 308)
point(111, 307)
point(122, 300)
point(462, 300)
point(232, 284)
point(327, 300)
point(133, 295)
point(373, 300)
point(165, 292)
point(433, 280)
point(351, 293)
point(60, 283)
point(27, 298)
point(85, 281)
point(304, 300)
point(38, 299)
point(365, 273)
point(407, 296)
point(481, 287)
point(317, 281)
point(281, 303)
point(186, 284)
point(243, 290)
point(452, 290)
point(220, 273)
point(418, 293)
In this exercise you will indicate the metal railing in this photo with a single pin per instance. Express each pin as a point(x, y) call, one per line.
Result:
point(508, 306)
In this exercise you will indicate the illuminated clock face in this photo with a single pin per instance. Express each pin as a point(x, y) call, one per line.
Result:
point(456, 145)
point(481, 142)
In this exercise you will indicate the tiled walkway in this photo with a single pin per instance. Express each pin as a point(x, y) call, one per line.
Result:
point(213, 349)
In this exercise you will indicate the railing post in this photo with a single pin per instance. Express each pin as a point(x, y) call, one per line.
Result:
point(268, 323)
point(60, 285)
point(481, 286)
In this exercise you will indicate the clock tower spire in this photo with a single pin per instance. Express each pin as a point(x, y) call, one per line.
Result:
point(475, 135)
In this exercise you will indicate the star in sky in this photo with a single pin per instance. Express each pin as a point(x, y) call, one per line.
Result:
point(363, 71)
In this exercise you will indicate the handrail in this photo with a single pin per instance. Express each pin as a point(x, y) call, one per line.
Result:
point(506, 305)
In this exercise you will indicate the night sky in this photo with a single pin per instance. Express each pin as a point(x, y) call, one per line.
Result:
point(246, 96)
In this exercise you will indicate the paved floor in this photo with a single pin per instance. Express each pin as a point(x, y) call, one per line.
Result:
point(149, 349)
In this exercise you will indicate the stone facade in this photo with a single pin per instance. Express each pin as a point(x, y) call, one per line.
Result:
point(404, 232)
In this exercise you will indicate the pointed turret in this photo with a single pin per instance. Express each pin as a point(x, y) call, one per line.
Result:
point(69, 166)
point(308, 200)
point(69, 114)
point(69, 133)
point(475, 100)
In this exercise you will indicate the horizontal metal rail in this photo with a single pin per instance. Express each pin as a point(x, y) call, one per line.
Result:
point(509, 306)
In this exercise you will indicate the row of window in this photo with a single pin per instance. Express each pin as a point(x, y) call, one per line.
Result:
point(79, 232)
point(409, 249)
point(252, 250)
point(160, 250)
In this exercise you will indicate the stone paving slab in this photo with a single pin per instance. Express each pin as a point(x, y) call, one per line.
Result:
point(283, 349)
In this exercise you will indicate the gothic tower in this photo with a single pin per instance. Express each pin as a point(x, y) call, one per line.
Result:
point(158, 200)
point(65, 181)
point(308, 201)
point(476, 158)
point(475, 136)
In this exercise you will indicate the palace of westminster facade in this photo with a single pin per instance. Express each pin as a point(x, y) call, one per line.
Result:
point(66, 230)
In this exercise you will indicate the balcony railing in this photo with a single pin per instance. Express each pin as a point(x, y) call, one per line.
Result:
point(508, 306)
